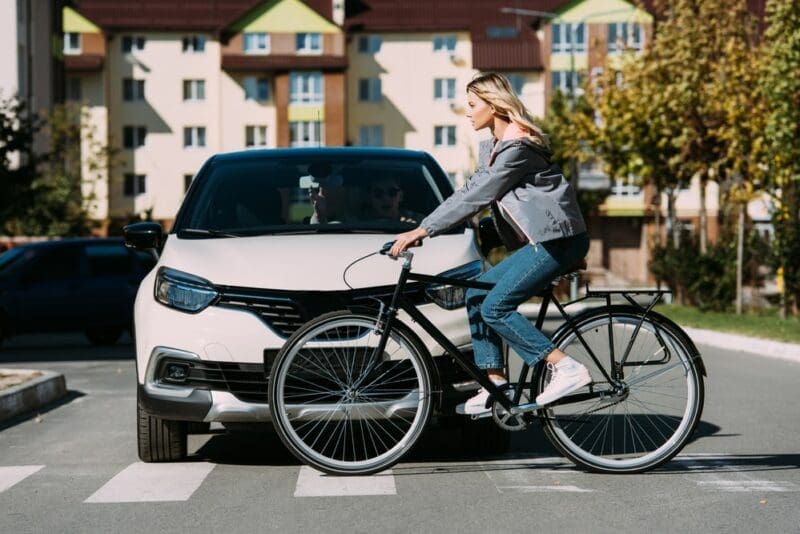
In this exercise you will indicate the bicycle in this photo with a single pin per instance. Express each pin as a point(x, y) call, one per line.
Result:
point(351, 392)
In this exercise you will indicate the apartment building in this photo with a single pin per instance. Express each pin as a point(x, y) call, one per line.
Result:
point(171, 83)
point(31, 68)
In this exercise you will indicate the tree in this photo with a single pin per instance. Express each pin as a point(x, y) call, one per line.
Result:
point(17, 162)
point(49, 194)
point(780, 83)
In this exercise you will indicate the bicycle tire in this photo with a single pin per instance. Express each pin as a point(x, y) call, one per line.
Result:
point(651, 423)
point(336, 414)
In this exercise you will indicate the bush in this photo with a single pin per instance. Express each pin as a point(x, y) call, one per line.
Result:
point(707, 281)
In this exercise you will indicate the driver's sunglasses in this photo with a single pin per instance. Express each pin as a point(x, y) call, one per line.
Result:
point(380, 192)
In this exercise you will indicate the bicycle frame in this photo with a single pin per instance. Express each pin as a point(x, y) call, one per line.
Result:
point(398, 301)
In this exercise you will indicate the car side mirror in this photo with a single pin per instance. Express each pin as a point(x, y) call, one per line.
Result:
point(147, 236)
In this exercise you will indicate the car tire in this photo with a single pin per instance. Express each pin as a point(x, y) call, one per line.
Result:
point(103, 336)
point(160, 440)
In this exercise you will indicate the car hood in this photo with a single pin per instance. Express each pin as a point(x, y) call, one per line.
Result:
point(309, 262)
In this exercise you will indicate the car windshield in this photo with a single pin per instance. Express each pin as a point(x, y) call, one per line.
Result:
point(307, 193)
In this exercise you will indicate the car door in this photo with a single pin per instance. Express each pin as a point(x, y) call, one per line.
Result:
point(109, 288)
point(48, 293)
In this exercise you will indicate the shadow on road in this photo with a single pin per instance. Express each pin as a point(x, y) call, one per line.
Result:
point(69, 397)
point(441, 451)
point(62, 348)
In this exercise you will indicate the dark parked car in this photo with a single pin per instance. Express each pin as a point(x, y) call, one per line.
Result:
point(74, 284)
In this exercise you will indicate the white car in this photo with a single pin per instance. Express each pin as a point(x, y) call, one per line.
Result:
point(266, 240)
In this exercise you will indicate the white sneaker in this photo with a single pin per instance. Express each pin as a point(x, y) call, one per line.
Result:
point(477, 405)
point(566, 376)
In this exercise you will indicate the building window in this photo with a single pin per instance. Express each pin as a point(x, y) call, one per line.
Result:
point(501, 32)
point(369, 44)
point(305, 133)
point(73, 89)
point(194, 44)
point(256, 43)
point(444, 43)
point(309, 43)
point(562, 37)
point(133, 136)
point(194, 89)
point(135, 184)
point(194, 137)
point(72, 43)
point(370, 135)
point(132, 89)
point(256, 88)
point(255, 136)
point(131, 43)
point(305, 88)
point(369, 90)
point(517, 82)
point(622, 35)
point(187, 181)
point(444, 89)
point(444, 136)
point(561, 81)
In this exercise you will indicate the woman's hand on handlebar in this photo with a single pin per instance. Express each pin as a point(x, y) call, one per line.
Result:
point(408, 239)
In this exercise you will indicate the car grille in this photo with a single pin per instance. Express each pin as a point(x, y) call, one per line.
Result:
point(283, 315)
point(246, 381)
point(287, 311)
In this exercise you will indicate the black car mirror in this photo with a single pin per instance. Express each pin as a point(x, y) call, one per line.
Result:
point(143, 236)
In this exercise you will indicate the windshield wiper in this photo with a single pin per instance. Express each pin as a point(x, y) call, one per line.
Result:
point(202, 232)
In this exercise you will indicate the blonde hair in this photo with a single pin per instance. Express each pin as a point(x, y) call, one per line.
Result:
point(494, 89)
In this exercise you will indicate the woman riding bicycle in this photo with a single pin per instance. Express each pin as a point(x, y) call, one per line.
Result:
point(533, 197)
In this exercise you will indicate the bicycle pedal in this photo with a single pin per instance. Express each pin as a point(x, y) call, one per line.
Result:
point(483, 415)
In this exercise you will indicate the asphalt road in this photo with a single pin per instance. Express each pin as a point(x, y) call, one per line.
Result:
point(73, 468)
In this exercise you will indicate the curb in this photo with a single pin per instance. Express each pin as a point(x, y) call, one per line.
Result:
point(32, 394)
point(750, 345)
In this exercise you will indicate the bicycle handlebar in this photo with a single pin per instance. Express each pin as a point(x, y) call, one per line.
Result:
point(388, 246)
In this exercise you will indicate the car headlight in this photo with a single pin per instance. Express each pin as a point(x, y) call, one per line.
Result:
point(183, 291)
point(452, 297)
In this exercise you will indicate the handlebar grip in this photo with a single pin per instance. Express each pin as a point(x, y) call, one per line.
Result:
point(386, 247)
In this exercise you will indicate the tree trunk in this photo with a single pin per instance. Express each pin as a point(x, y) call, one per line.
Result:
point(672, 224)
point(739, 259)
point(703, 230)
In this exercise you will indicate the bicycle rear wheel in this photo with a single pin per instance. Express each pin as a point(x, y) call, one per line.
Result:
point(650, 416)
point(338, 407)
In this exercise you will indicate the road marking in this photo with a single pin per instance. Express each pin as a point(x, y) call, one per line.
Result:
point(141, 482)
point(12, 474)
point(720, 472)
point(542, 489)
point(526, 476)
point(312, 483)
point(747, 485)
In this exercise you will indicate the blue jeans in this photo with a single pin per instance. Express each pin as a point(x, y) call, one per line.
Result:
point(493, 313)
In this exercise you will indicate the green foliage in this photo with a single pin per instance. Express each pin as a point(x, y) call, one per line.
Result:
point(48, 194)
point(780, 84)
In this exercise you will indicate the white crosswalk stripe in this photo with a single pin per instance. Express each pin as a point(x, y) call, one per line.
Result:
point(312, 483)
point(13, 474)
point(140, 482)
point(721, 473)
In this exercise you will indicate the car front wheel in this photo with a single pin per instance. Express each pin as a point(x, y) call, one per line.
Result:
point(160, 440)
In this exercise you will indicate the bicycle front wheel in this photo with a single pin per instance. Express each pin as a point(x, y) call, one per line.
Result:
point(340, 407)
point(647, 417)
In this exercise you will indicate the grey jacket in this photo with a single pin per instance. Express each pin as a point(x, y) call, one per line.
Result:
point(532, 194)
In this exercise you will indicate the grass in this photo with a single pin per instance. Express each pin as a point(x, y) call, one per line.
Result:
point(763, 324)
